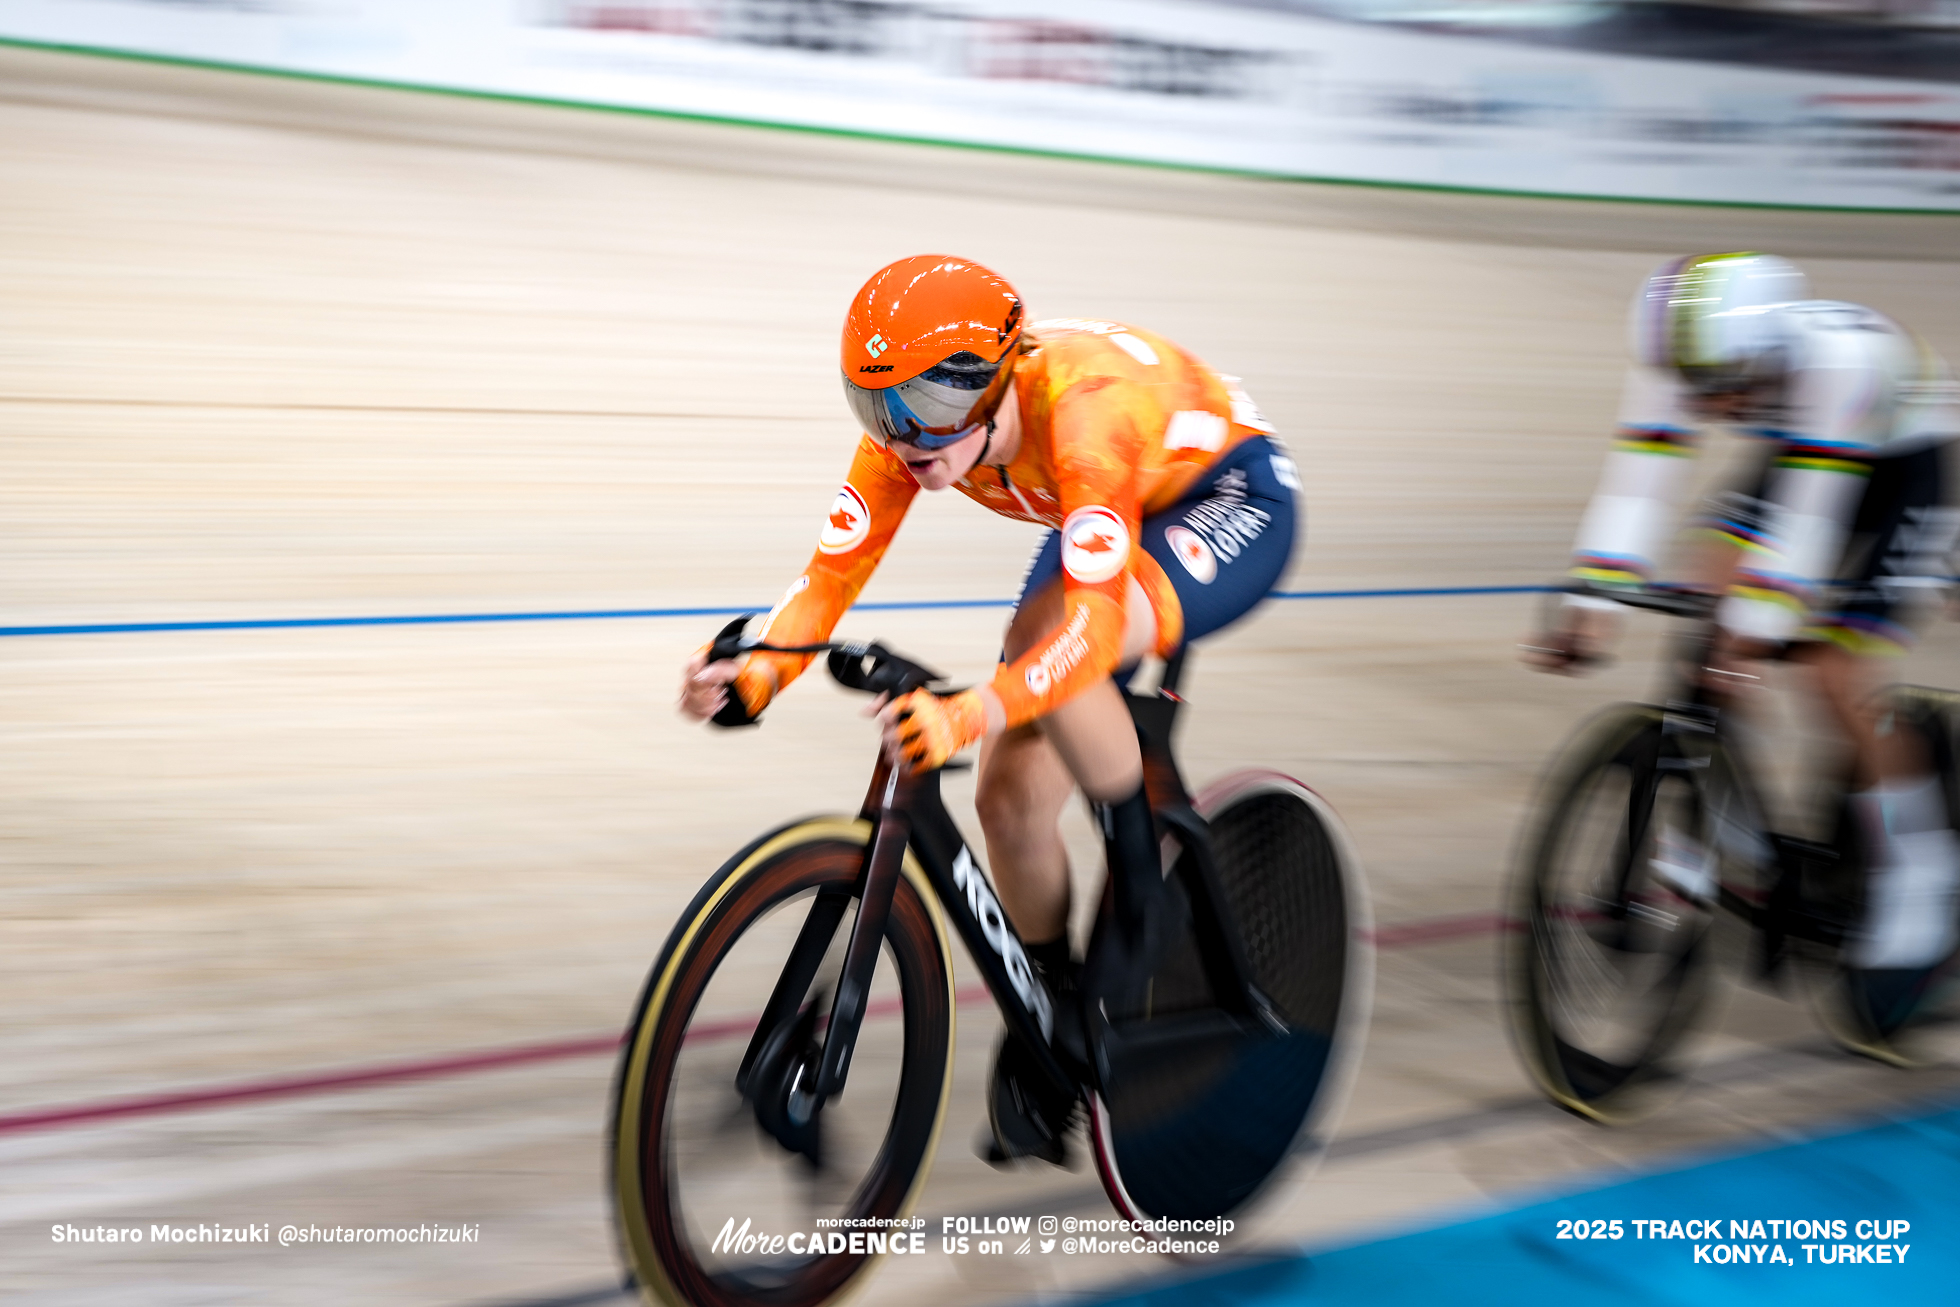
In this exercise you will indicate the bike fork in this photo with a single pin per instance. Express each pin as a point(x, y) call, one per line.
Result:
point(877, 885)
point(805, 956)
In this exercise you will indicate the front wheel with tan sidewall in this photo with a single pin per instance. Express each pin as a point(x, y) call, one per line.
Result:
point(731, 1187)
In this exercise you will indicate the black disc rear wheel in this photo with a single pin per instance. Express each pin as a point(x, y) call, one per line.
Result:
point(1199, 1106)
point(1902, 1018)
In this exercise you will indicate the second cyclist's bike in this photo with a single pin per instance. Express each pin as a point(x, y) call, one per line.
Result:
point(1651, 829)
point(785, 1077)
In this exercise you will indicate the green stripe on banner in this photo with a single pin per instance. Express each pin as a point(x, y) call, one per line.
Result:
point(1905, 1171)
point(683, 115)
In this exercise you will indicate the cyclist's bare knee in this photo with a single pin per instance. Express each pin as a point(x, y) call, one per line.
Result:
point(1096, 740)
point(1021, 783)
point(1021, 790)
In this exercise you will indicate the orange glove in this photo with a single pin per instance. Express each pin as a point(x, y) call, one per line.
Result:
point(931, 728)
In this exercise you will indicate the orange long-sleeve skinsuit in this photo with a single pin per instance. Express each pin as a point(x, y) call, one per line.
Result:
point(1117, 423)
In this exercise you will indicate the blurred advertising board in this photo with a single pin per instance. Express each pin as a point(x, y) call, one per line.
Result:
point(1157, 81)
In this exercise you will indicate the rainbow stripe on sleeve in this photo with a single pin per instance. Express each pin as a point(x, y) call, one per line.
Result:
point(1612, 569)
point(1763, 587)
point(1825, 456)
point(1861, 633)
point(1670, 442)
point(1744, 536)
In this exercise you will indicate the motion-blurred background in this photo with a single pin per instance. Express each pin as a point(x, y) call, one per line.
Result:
point(392, 394)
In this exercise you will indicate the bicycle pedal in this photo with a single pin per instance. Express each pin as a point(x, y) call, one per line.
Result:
point(1026, 1117)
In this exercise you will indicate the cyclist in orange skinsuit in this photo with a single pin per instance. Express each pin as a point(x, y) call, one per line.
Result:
point(1172, 515)
point(1098, 462)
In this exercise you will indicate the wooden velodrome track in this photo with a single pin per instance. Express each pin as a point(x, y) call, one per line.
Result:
point(277, 350)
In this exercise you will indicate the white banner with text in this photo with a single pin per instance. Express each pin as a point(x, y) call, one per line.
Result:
point(1156, 81)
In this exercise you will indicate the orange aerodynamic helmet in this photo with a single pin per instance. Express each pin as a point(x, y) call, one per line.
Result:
point(929, 345)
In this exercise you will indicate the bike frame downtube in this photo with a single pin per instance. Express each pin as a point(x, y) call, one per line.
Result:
point(1689, 708)
point(876, 886)
point(990, 938)
point(905, 809)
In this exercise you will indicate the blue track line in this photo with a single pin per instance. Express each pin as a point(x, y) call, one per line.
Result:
point(607, 614)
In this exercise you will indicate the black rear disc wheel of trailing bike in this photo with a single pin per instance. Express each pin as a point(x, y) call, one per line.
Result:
point(1878, 1015)
point(704, 1196)
point(1606, 958)
point(1199, 1108)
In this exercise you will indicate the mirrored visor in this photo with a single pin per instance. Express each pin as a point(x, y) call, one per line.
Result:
point(932, 410)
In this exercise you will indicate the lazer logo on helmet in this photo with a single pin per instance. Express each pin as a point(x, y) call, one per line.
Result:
point(876, 367)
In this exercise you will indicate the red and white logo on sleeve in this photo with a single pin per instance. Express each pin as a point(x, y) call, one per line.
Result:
point(848, 524)
point(1095, 544)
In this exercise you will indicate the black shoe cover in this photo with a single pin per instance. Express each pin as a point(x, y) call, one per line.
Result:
point(1028, 1116)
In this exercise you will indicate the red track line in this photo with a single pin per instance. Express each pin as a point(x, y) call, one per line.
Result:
point(190, 1100)
point(1437, 929)
point(428, 1068)
point(290, 1086)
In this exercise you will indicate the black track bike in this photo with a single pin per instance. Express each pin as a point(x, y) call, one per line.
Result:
point(1650, 828)
point(783, 1082)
